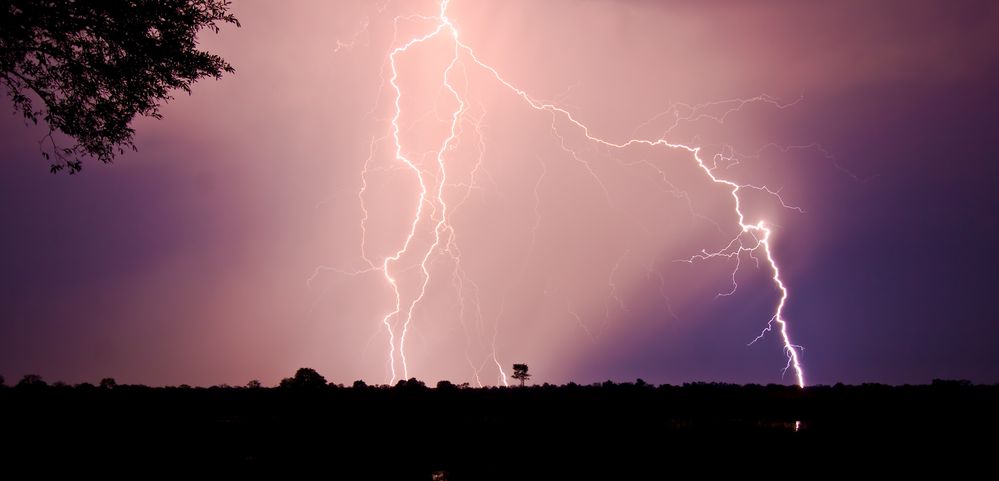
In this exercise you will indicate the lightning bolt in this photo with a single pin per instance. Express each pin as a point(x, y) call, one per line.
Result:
point(432, 206)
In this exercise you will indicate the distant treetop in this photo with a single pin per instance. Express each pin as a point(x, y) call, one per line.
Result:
point(305, 378)
point(32, 381)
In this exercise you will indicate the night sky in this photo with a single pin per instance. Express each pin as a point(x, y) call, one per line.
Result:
point(217, 253)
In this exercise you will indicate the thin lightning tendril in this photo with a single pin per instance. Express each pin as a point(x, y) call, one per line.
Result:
point(754, 237)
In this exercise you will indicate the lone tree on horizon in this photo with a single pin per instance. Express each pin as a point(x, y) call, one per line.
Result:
point(92, 66)
point(520, 373)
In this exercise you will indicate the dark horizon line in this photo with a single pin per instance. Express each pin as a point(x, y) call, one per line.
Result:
point(36, 381)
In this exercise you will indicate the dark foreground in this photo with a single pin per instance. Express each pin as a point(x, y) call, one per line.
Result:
point(623, 431)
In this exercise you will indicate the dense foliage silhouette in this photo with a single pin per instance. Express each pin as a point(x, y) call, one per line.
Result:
point(410, 431)
point(305, 378)
point(86, 68)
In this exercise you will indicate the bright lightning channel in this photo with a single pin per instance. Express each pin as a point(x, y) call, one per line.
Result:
point(753, 239)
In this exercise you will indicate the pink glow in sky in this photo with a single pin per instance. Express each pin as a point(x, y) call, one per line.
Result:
point(224, 249)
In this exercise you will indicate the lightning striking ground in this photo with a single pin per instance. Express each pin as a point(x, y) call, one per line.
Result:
point(431, 205)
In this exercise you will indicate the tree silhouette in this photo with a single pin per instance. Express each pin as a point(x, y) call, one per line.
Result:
point(253, 384)
point(305, 378)
point(32, 381)
point(520, 373)
point(411, 385)
point(96, 65)
point(108, 383)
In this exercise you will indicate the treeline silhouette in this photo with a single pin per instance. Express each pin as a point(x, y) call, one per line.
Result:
point(412, 431)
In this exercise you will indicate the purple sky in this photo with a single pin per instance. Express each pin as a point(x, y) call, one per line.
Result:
point(190, 260)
